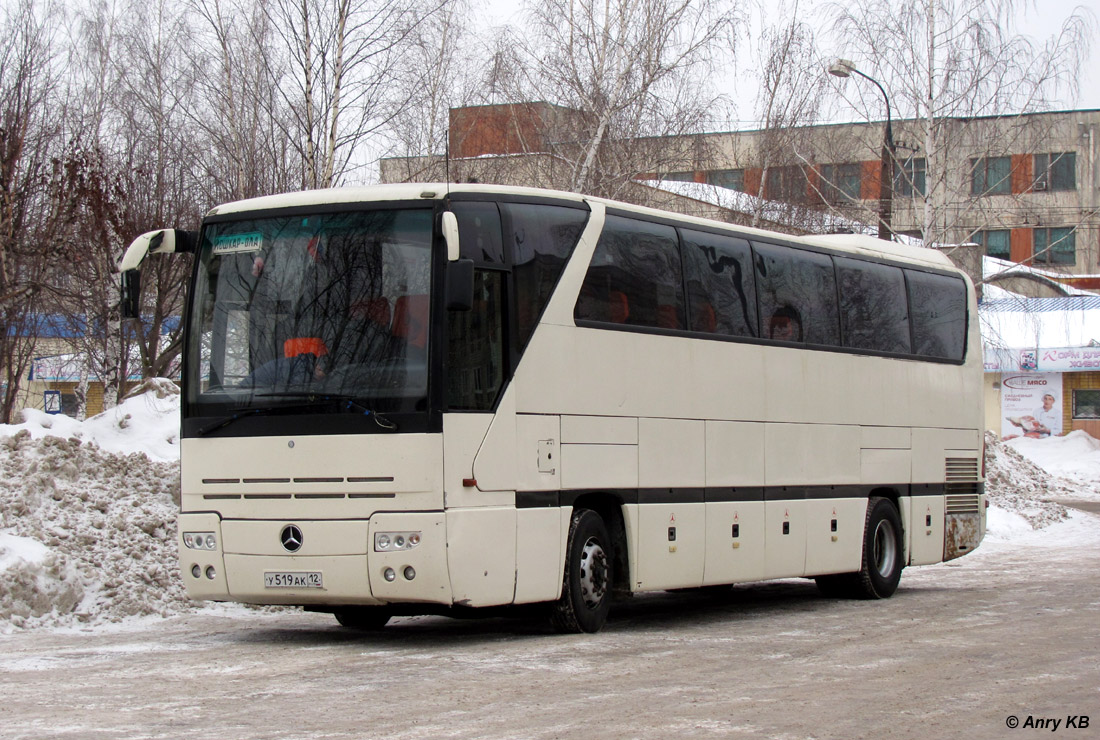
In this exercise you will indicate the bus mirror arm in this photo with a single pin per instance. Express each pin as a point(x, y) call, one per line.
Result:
point(460, 285)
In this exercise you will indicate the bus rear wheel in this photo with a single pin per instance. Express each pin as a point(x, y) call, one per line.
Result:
point(586, 587)
point(883, 550)
point(363, 618)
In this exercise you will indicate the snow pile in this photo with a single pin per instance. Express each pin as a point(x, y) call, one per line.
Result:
point(36, 582)
point(1016, 485)
point(88, 534)
point(148, 422)
point(1075, 456)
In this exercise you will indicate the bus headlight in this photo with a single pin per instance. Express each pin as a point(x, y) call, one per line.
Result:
point(395, 541)
point(200, 540)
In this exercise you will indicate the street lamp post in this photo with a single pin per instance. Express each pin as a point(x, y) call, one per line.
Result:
point(844, 68)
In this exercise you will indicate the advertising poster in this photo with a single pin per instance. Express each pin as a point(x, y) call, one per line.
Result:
point(1031, 405)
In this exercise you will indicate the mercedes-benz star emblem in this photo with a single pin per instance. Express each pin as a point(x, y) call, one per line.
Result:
point(291, 537)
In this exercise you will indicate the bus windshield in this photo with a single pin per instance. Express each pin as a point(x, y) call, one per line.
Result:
point(295, 308)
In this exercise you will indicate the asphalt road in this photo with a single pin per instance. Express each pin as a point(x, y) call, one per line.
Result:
point(1009, 631)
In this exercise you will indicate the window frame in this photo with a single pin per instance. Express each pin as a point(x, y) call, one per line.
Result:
point(981, 186)
point(911, 179)
point(981, 237)
point(1073, 409)
point(837, 181)
point(1046, 252)
point(1050, 177)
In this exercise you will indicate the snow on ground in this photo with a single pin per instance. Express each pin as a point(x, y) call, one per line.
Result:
point(88, 510)
point(1075, 456)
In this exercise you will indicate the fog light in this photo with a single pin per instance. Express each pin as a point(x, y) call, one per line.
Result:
point(389, 574)
point(196, 571)
point(210, 572)
point(409, 573)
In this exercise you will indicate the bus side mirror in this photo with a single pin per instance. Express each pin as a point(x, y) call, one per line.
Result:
point(460, 285)
point(450, 235)
point(151, 242)
point(130, 305)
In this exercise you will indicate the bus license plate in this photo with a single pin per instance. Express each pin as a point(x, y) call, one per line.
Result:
point(293, 580)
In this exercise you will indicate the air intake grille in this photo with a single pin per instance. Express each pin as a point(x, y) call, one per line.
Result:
point(961, 486)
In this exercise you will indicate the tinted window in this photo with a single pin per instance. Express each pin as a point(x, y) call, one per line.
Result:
point(721, 296)
point(541, 239)
point(635, 276)
point(797, 292)
point(937, 305)
point(873, 308)
point(479, 232)
point(475, 351)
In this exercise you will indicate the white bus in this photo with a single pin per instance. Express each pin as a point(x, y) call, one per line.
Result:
point(411, 399)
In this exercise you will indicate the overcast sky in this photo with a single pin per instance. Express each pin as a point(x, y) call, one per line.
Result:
point(1039, 20)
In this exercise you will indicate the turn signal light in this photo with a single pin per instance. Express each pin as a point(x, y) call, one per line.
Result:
point(395, 541)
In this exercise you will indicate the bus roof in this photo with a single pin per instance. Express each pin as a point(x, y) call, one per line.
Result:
point(855, 243)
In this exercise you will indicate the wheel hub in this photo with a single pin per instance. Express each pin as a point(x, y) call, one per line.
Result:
point(886, 548)
point(594, 573)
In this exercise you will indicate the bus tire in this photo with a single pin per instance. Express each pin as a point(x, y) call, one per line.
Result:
point(883, 550)
point(363, 618)
point(880, 569)
point(586, 586)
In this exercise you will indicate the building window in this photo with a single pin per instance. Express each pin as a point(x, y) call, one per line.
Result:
point(1056, 171)
point(732, 179)
point(995, 242)
point(909, 177)
point(840, 182)
point(677, 176)
point(786, 184)
point(1054, 246)
point(1086, 404)
point(991, 176)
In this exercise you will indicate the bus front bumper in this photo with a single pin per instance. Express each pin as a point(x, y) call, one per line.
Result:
point(334, 562)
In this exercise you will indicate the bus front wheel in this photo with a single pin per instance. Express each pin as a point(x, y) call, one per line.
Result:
point(586, 587)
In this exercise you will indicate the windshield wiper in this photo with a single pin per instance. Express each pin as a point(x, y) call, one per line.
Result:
point(348, 402)
point(226, 421)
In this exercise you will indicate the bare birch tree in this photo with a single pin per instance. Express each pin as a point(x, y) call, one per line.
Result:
point(437, 73)
point(944, 63)
point(788, 100)
point(343, 59)
point(237, 105)
point(625, 70)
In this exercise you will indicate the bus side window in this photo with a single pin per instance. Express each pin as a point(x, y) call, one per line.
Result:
point(797, 290)
point(541, 238)
point(937, 305)
point(479, 232)
point(873, 308)
point(721, 291)
point(635, 277)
